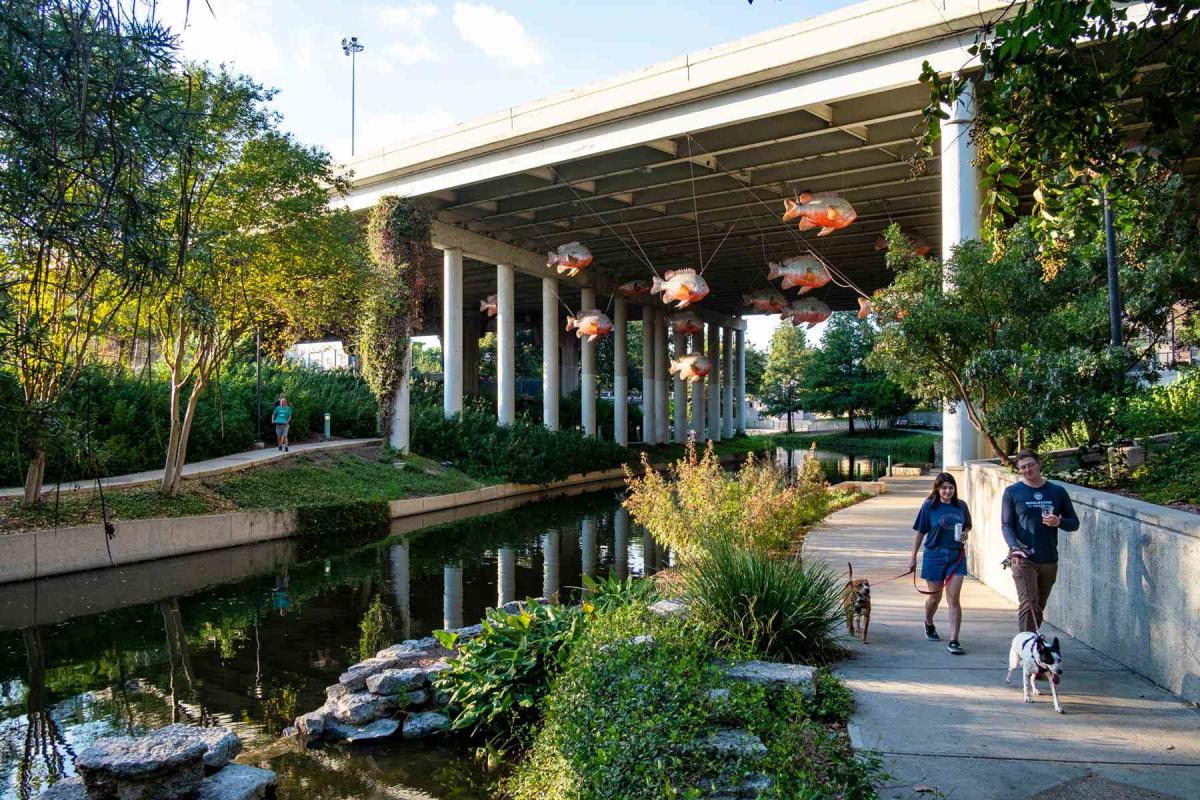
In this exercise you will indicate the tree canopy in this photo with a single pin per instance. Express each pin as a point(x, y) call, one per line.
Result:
point(787, 358)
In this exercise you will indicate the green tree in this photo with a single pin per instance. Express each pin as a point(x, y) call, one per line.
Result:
point(787, 362)
point(426, 359)
point(248, 228)
point(82, 128)
point(836, 380)
point(756, 365)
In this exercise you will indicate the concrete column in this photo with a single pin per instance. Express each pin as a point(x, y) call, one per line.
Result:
point(588, 536)
point(739, 347)
point(568, 373)
point(506, 576)
point(960, 221)
point(506, 346)
point(471, 336)
point(550, 356)
point(698, 425)
point(620, 373)
point(621, 543)
point(587, 371)
point(398, 436)
point(549, 563)
point(714, 383)
point(681, 399)
point(662, 379)
point(727, 384)
point(452, 586)
point(648, 407)
point(452, 332)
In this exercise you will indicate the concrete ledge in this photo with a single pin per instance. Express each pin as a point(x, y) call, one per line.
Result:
point(1128, 579)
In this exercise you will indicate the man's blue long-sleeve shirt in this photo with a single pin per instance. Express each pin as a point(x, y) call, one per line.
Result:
point(1021, 519)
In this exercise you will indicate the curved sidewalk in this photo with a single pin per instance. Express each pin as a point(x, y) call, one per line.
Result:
point(235, 462)
point(950, 725)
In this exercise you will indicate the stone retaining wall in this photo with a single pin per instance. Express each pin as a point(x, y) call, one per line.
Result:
point(1128, 579)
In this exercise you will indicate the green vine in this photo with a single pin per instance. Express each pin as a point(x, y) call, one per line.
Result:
point(398, 235)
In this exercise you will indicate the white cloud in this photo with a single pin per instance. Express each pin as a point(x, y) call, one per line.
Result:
point(497, 33)
point(405, 26)
point(411, 18)
point(411, 53)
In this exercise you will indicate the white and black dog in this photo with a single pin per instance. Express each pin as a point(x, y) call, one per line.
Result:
point(1037, 659)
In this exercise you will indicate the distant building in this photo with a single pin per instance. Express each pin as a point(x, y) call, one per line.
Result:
point(323, 354)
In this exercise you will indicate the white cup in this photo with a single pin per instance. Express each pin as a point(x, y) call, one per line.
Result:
point(958, 532)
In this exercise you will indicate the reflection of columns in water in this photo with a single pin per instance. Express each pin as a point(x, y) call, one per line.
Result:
point(452, 587)
point(621, 544)
point(588, 562)
point(649, 553)
point(506, 576)
point(401, 590)
point(549, 563)
point(178, 654)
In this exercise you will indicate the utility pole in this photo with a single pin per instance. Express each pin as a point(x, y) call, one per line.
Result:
point(351, 46)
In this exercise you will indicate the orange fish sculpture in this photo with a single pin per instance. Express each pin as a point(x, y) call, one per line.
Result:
point(569, 258)
point(804, 271)
point(489, 305)
point(634, 289)
point(825, 210)
point(864, 307)
point(592, 323)
point(691, 367)
point(806, 309)
point(683, 286)
point(687, 323)
point(920, 244)
point(765, 301)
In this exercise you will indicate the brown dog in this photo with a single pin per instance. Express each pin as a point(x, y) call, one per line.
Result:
point(856, 600)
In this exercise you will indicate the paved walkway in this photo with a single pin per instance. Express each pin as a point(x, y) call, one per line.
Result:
point(201, 469)
point(950, 722)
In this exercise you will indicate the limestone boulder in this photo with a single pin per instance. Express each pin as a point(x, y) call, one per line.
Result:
point(223, 744)
point(395, 681)
point(161, 765)
point(237, 782)
point(669, 608)
point(733, 743)
point(774, 675)
point(66, 789)
point(312, 724)
point(379, 729)
point(425, 724)
point(360, 708)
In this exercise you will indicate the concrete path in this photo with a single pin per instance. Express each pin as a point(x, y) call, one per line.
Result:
point(951, 724)
point(201, 469)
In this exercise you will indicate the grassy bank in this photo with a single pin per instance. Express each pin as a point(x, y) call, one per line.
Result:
point(305, 481)
point(901, 445)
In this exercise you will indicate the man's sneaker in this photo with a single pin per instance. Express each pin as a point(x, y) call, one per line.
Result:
point(286, 449)
point(931, 633)
point(954, 648)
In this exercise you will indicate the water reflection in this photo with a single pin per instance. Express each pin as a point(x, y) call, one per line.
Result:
point(837, 466)
point(251, 636)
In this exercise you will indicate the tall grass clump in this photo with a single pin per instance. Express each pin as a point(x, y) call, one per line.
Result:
point(785, 608)
point(696, 504)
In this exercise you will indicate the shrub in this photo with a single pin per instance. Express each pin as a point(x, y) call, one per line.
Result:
point(500, 676)
point(698, 505)
point(524, 452)
point(1171, 475)
point(610, 592)
point(377, 629)
point(783, 608)
point(1163, 409)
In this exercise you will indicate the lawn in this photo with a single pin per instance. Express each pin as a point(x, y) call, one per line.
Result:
point(304, 481)
point(901, 445)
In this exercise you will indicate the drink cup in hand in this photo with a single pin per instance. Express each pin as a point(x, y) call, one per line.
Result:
point(958, 532)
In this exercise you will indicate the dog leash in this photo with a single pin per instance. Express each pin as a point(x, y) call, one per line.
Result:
point(962, 553)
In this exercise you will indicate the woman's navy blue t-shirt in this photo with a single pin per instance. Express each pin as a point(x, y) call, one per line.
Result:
point(937, 523)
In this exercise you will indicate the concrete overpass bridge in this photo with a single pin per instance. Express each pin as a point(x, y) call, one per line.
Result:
point(686, 164)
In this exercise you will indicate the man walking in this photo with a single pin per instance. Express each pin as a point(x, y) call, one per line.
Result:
point(282, 419)
point(1032, 513)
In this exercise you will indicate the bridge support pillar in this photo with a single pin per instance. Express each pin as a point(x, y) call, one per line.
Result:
point(506, 340)
point(550, 355)
point(452, 332)
point(714, 383)
point(739, 346)
point(698, 389)
point(587, 368)
point(648, 406)
point(620, 373)
point(681, 399)
point(727, 383)
point(662, 417)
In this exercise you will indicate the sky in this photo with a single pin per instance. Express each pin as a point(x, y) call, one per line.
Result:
point(429, 64)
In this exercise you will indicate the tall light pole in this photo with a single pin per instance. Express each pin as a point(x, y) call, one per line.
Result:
point(350, 47)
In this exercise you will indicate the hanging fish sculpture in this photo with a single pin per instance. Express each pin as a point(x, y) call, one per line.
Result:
point(687, 323)
point(806, 309)
point(634, 289)
point(592, 324)
point(864, 307)
point(489, 305)
point(765, 301)
point(804, 271)
point(681, 285)
point(691, 368)
point(920, 244)
point(824, 210)
point(569, 258)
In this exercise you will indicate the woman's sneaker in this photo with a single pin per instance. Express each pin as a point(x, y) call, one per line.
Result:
point(954, 648)
point(931, 633)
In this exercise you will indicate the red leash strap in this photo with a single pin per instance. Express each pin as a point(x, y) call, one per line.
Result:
point(962, 553)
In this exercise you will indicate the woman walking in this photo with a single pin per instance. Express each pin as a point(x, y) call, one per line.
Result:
point(282, 417)
point(942, 525)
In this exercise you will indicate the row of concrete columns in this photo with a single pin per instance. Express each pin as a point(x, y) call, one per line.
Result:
point(559, 365)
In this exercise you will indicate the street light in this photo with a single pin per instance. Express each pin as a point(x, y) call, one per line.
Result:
point(350, 47)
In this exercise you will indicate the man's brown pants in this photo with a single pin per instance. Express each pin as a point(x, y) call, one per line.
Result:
point(1034, 582)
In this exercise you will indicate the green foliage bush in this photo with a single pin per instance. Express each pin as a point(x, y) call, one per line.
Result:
point(1163, 409)
point(785, 609)
point(377, 629)
point(120, 419)
point(1171, 475)
point(610, 592)
point(500, 676)
point(524, 452)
